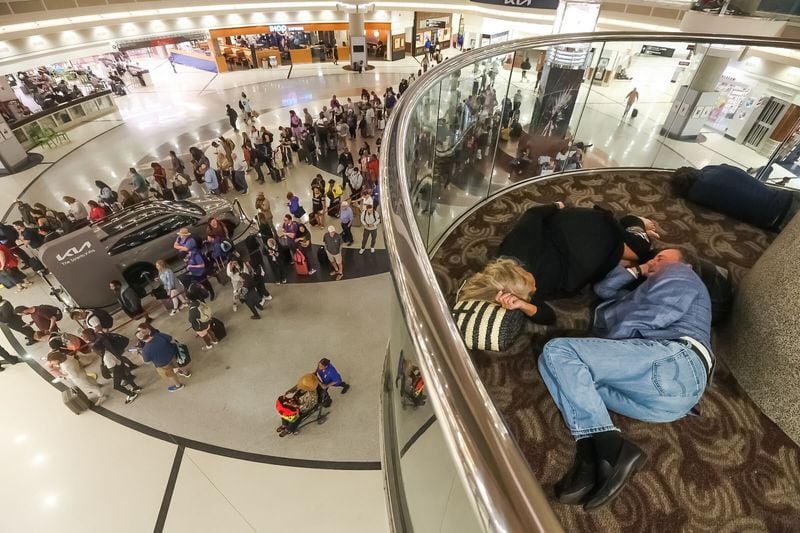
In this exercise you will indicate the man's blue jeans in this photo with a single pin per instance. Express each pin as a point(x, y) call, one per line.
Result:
point(649, 380)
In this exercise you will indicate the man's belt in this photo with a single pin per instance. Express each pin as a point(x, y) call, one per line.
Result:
point(703, 353)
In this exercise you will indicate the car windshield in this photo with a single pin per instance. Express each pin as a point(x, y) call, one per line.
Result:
point(142, 213)
point(152, 231)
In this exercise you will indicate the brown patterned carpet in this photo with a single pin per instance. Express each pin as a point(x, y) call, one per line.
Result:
point(729, 470)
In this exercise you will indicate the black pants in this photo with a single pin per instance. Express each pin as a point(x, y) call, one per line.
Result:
point(7, 357)
point(347, 235)
point(21, 327)
point(233, 124)
point(121, 373)
point(278, 270)
point(259, 173)
point(207, 285)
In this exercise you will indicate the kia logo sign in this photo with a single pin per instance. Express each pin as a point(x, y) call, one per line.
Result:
point(75, 253)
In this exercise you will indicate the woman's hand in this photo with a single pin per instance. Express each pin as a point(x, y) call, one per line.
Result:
point(511, 302)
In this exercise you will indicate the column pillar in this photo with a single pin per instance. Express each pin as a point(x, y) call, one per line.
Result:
point(358, 39)
point(684, 121)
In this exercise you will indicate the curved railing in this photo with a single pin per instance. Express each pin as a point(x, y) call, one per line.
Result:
point(490, 471)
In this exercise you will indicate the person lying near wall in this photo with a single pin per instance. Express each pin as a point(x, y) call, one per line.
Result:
point(733, 192)
point(651, 361)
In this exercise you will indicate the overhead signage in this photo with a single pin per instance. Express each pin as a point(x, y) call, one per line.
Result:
point(661, 51)
point(535, 4)
point(283, 28)
point(435, 23)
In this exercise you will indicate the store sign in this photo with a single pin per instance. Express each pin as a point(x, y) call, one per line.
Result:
point(535, 4)
point(661, 51)
point(433, 23)
point(283, 28)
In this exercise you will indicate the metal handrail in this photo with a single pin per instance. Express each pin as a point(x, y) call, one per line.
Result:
point(504, 492)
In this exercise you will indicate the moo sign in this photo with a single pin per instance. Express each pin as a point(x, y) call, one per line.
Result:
point(536, 4)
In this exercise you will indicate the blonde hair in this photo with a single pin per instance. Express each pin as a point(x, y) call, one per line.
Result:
point(161, 264)
point(502, 274)
point(69, 200)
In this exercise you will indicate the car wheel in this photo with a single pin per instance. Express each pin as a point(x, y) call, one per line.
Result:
point(140, 276)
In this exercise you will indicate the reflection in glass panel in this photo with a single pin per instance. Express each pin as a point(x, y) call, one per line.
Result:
point(420, 158)
point(432, 489)
point(468, 127)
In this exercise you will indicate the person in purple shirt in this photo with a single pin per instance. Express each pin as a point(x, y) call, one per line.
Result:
point(651, 362)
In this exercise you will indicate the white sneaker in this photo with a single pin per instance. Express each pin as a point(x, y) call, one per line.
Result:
point(361, 251)
point(268, 298)
point(173, 312)
point(372, 250)
point(208, 347)
point(235, 308)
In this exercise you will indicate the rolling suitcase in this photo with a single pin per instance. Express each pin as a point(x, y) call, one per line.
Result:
point(218, 328)
point(634, 113)
point(322, 257)
point(75, 400)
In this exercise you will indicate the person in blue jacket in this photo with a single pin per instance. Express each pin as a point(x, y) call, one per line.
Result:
point(328, 376)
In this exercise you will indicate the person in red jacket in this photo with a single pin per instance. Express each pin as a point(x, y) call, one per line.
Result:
point(373, 167)
point(96, 211)
point(9, 265)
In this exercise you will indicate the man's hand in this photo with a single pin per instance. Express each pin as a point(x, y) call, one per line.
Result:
point(559, 204)
point(644, 268)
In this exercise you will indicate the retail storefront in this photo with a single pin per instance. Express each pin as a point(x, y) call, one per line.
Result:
point(431, 29)
point(282, 44)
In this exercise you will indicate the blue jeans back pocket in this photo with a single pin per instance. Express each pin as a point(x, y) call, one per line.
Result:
point(675, 376)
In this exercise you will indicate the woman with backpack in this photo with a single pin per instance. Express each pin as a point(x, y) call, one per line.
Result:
point(200, 318)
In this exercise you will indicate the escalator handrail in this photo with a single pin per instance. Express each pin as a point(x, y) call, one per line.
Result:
point(498, 479)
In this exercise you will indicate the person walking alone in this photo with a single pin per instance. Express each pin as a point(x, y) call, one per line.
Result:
point(630, 99)
point(232, 116)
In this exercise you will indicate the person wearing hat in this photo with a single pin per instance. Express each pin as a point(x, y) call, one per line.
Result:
point(333, 249)
point(184, 241)
point(567, 248)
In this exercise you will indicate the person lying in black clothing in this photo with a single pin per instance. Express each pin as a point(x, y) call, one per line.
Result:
point(567, 248)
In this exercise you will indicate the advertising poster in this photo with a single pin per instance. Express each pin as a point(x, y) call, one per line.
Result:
point(557, 101)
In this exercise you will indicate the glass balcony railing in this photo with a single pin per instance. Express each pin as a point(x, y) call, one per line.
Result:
point(479, 125)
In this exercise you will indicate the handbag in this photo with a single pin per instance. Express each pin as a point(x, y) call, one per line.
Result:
point(182, 358)
point(487, 325)
point(299, 212)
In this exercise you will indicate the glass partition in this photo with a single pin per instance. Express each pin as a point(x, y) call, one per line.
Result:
point(489, 119)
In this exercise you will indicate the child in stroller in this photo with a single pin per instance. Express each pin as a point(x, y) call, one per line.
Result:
point(411, 384)
point(297, 406)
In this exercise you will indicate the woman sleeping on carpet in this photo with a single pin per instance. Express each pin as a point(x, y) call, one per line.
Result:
point(552, 252)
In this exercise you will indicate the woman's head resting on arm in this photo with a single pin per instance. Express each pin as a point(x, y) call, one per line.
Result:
point(500, 275)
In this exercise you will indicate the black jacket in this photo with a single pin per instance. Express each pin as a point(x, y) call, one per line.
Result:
point(565, 249)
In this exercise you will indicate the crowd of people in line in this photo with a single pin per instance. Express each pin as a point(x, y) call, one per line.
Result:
point(95, 347)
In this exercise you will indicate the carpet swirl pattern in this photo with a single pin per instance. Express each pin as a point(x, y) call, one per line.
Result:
point(730, 469)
